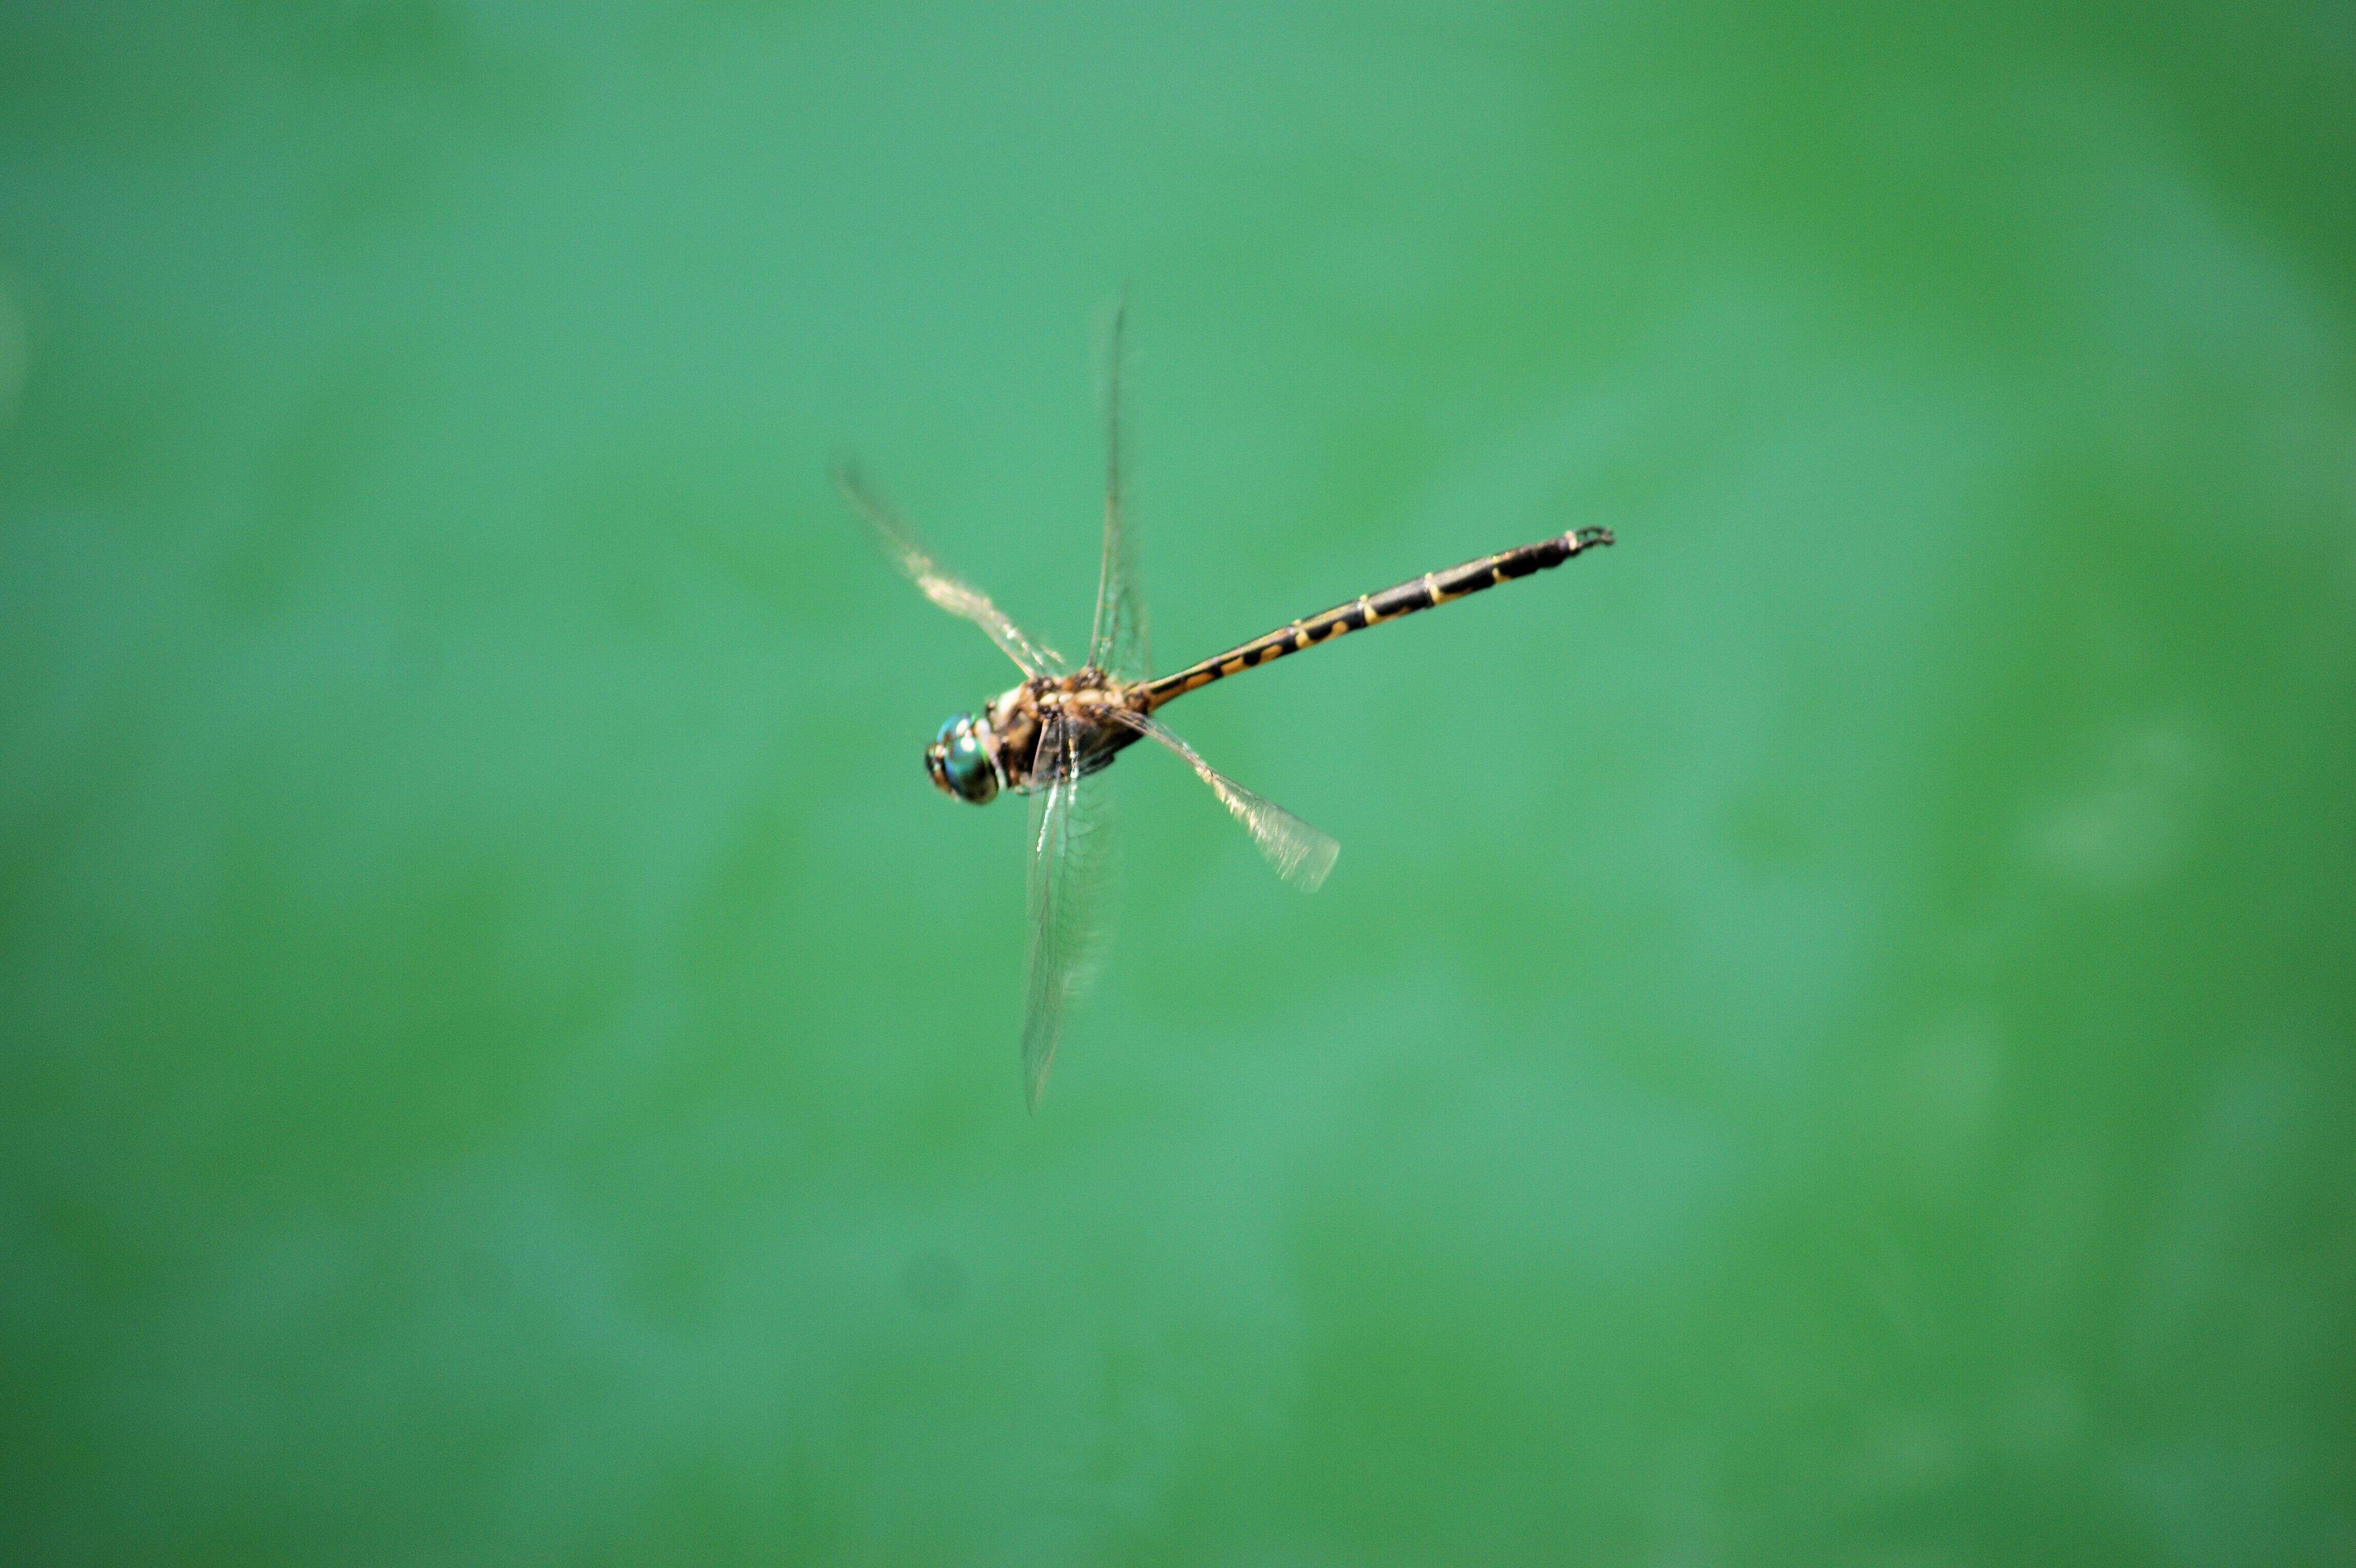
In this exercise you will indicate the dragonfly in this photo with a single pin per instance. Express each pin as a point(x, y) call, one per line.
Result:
point(1049, 735)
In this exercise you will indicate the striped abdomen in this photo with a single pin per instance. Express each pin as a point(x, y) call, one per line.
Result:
point(1416, 594)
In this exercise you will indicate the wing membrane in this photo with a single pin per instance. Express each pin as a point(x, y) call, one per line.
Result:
point(1300, 854)
point(944, 588)
point(1117, 641)
point(1070, 846)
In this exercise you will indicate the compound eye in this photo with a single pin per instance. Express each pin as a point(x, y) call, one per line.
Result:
point(964, 769)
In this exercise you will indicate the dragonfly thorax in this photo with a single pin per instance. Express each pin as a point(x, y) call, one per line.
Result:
point(975, 756)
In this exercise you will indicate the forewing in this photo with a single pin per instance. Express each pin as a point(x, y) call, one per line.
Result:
point(1070, 846)
point(1118, 642)
point(1300, 854)
point(953, 595)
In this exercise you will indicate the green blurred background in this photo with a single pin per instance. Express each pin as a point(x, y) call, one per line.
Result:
point(1829, 1040)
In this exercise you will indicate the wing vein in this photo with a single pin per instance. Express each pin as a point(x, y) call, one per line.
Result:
point(946, 589)
point(1300, 854)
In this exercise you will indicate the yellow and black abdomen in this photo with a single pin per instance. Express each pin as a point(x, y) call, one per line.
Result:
point(1367, 610)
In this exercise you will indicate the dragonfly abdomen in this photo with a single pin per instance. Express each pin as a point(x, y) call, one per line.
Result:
point(1369, 609)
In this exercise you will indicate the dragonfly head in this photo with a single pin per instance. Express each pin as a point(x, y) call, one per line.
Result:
point(963, 759)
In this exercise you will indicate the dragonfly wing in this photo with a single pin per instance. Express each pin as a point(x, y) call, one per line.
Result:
point(945, 589)
point(1070, 848)
point(1300, 854)
point(1118, 640)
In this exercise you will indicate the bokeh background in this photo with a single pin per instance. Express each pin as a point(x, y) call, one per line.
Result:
point(1829, 1040)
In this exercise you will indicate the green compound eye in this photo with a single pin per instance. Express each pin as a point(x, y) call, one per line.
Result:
point(959, 763)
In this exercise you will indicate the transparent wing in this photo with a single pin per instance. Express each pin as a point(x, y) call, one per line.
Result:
point(1070, 851)
point(958, 598)
point(1300, 854)
point(1118, 642)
